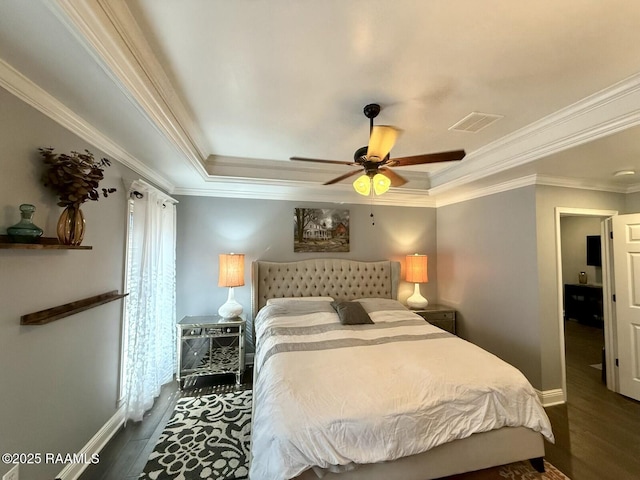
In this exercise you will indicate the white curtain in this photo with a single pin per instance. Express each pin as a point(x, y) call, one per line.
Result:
point(150, 316)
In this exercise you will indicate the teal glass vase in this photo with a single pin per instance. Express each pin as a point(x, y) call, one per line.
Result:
point(25, 231)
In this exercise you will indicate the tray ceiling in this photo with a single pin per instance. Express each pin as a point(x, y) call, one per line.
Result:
point(213, 97)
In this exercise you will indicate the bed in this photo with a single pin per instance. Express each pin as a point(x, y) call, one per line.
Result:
point(396, 398)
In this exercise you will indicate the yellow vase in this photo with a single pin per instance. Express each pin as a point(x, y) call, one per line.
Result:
point(71, 226)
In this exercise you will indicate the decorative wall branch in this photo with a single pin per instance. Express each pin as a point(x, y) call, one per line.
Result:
point(49, 315)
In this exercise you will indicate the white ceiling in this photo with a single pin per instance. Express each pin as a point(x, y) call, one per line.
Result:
point(212, 97)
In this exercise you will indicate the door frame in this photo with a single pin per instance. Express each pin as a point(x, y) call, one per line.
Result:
point(608, 290)
point(609, 342)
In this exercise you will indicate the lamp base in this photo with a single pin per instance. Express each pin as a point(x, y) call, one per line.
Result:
point(231, 308)
point(417, 301)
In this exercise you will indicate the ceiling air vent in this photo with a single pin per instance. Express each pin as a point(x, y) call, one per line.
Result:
point(475, 121)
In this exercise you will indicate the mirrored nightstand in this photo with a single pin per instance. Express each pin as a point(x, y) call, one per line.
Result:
point(210, 345)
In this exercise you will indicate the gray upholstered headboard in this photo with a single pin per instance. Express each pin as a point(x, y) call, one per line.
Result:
point(332, 277)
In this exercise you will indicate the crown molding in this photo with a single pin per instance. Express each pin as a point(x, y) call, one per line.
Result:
point(270, 189)
point(566, 182)
point(265, 189)
point(606, 112)
point(533, 179)
point(108, 30)
point(233, 167)
point(30, 93)
point(453, 198)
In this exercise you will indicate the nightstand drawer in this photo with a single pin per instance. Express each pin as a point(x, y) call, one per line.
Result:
point(440, 316)
point(430, 316)
point(446, 324)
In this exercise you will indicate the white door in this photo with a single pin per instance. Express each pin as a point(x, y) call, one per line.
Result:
point(626, 264)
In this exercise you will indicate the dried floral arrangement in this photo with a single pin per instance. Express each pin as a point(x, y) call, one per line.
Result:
point(75, 177)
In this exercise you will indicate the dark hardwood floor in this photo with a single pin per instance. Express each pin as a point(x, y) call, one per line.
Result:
point(597, 431)
point(126, 454)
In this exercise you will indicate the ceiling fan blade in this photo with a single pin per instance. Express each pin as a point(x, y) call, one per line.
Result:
point(396, 180)
point(381, 141)
point(342, 177)
point(302, 159)
point(427, 158)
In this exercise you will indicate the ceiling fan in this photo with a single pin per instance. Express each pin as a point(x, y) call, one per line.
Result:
point(375, 158)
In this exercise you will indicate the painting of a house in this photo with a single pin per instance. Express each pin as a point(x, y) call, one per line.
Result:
point(320, 230)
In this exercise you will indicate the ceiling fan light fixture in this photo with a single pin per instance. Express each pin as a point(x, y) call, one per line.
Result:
point(381, 183)
point(375, 159)
point(381, 141)
point(362, 185)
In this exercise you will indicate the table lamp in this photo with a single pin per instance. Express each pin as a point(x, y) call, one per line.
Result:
point(417, 273)
point(231, 274)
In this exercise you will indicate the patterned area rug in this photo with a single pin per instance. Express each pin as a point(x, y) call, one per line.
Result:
point(206, 438)
point(513, 471)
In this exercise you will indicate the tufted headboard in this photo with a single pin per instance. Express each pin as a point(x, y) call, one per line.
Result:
point(332, 277)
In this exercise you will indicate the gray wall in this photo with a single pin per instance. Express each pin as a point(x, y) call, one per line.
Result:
point(487, 270)
point(632, 203)
point(263, 230)
point(547, 199)
point(497, 266)
point(59, 381)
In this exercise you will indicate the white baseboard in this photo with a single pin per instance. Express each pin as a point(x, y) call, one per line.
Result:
point(548, 398)
point(72, 471)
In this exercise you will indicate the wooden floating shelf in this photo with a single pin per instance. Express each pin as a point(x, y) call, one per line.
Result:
point(49, 315)
point(44, 243)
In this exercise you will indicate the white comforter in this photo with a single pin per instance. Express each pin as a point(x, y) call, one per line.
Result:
point(331, 395)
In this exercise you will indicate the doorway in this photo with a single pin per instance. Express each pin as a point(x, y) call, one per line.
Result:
point(581, 291)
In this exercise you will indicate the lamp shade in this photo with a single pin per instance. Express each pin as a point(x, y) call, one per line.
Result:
point(362, 185)
point(231, 272)
point(417, 269)
point(381, 140)
point(381, 183)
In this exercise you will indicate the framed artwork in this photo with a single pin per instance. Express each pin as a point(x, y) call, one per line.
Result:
point(320, 230)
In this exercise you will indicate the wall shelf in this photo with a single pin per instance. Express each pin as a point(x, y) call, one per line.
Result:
point(49, 315)
point(44, 243)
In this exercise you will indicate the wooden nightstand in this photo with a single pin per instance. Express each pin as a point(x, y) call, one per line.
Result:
point(439, 315)
point(210, 345)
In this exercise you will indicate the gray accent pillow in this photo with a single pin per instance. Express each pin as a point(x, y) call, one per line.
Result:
point(351, 313)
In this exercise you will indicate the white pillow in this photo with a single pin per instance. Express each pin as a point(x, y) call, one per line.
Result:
point(281, 300)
